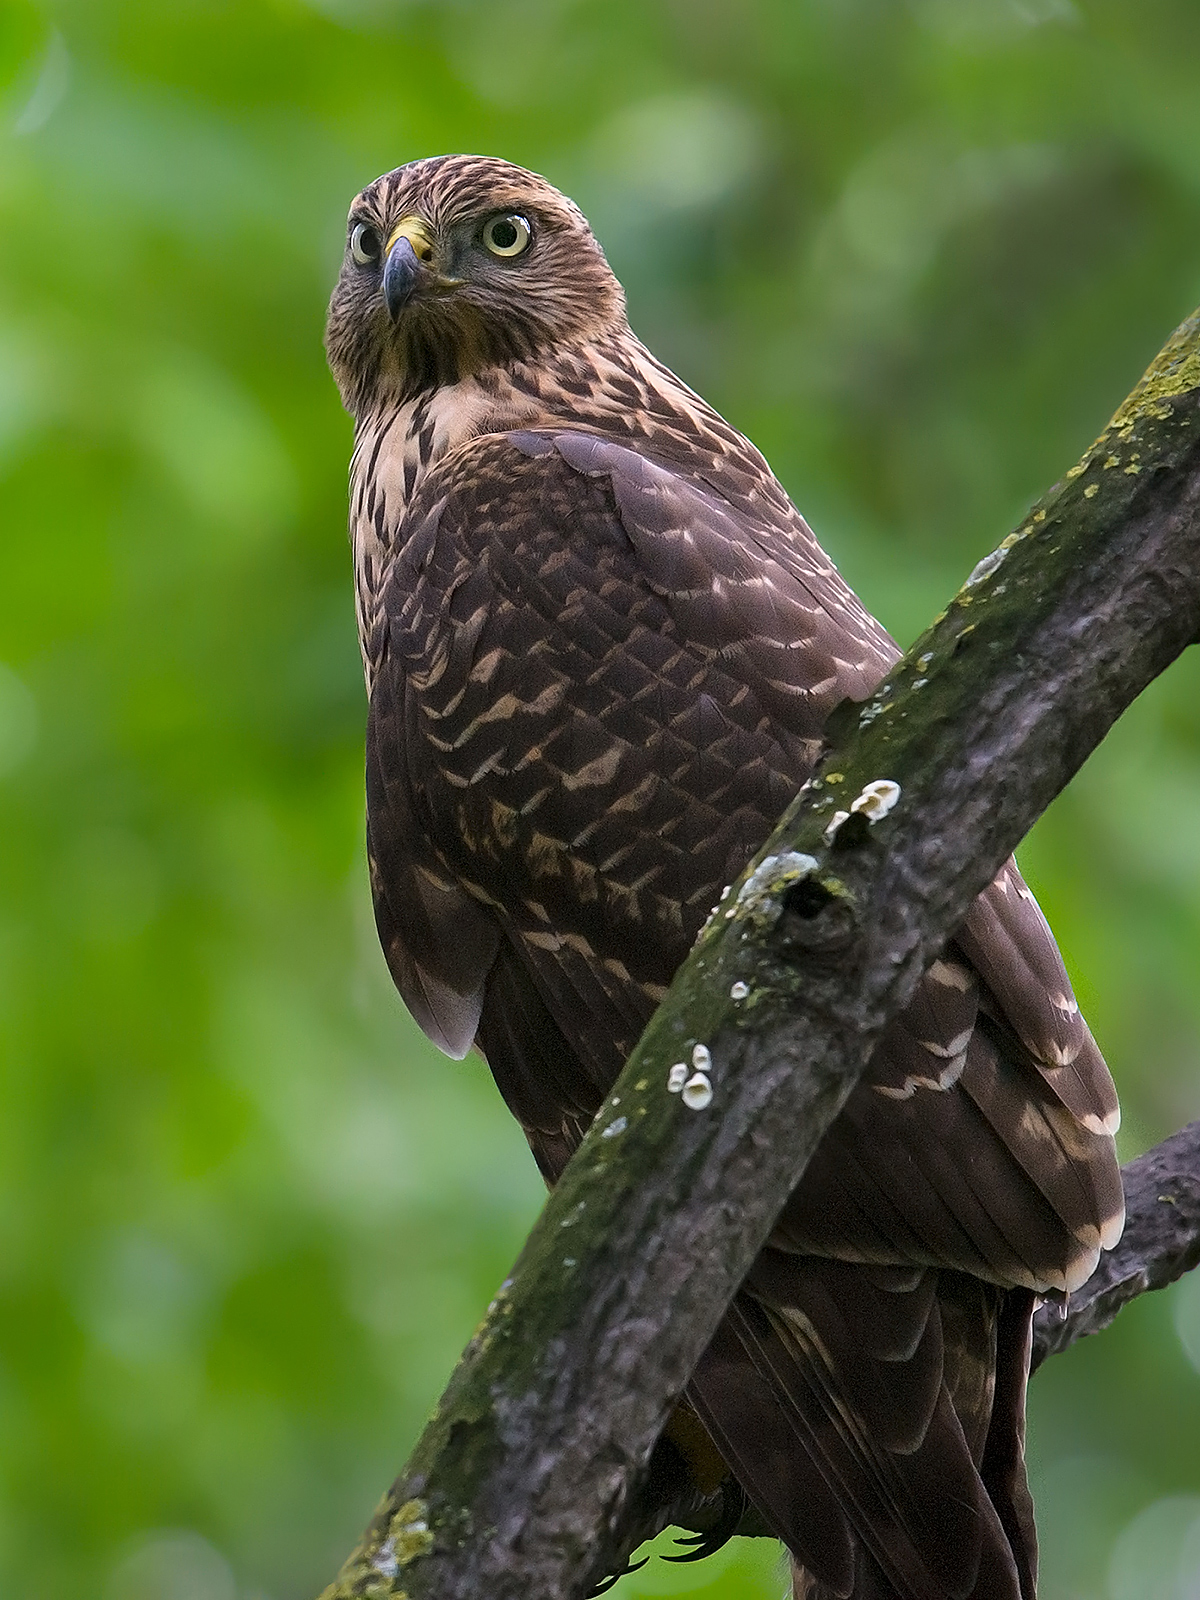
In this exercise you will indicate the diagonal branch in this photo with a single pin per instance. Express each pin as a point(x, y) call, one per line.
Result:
point(1160, 1243)
point(523, 1472)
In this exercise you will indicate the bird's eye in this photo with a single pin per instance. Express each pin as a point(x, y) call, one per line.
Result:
point(507, 235)
point(364, 244)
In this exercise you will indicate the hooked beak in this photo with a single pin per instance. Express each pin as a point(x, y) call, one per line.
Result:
point(407, 268)
point(400, 274)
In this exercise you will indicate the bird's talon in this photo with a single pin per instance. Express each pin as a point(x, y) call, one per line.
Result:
point(614, 1578)
point(706, 1549)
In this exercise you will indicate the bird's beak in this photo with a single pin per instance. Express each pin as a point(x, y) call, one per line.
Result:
point(407, 266)
point(400, 274)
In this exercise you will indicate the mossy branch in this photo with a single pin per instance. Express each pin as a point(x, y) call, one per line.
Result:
point(520, 1479)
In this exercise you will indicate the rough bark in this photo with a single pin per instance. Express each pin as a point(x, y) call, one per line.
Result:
point(523, 1472)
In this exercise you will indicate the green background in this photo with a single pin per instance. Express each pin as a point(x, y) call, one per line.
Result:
point(919, 252)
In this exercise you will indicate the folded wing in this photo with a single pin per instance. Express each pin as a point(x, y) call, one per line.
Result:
point(599, 685)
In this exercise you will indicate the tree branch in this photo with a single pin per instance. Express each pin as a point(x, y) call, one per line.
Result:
point(1160, 1243)
point(521, 1477)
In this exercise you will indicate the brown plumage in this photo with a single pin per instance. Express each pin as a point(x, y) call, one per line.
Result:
point(601, 645)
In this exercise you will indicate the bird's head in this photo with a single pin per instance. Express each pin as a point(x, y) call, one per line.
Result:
point(455, 264)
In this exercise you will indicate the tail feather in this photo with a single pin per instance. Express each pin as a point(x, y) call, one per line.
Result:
point(1003, 1464)
point(741, 1410)
point(878, 1425)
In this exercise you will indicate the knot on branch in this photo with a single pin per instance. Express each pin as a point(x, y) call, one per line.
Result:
point(818, 916)
point(785, 899)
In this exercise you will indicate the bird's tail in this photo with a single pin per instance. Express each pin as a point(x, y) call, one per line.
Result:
point(876, 1418)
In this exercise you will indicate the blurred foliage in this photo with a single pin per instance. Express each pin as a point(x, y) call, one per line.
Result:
point(919, 250)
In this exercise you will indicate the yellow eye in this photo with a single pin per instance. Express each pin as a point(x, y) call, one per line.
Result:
point(364, 244)
point(507, 235)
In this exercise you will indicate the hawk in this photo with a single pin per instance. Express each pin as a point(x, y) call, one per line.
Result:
point(600, 647)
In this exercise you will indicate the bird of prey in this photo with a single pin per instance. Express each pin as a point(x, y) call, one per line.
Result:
point(600, 647)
